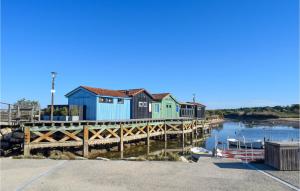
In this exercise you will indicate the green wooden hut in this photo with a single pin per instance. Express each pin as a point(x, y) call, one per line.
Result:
point(165, 106)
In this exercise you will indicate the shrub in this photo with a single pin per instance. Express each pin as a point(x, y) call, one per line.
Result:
point(74, 111)
point(64, 111)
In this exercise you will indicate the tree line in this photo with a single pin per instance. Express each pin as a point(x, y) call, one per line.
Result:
point(267, 112)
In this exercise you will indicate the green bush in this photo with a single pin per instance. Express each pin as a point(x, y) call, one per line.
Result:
point(64, 111)
point(74, 111)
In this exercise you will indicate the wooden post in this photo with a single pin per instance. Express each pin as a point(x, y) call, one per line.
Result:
point(148, 139)
point(192, 136)
point(32, 113)
point(9, 114)
point(166, 137)
point(121, 145)
point(26, 141)
point(182, 136)
point(39, 114)
point(196, 123)
point(85, 141)
point(18, 112)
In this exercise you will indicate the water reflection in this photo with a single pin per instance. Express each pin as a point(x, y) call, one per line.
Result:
point(219, 133)
point(251, 132)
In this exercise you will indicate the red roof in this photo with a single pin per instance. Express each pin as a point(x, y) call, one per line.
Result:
point(105, 92)
point(195, 103)
point(160, 96)
point(133, 92)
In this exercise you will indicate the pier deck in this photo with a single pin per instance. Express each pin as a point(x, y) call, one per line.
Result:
point(46, 134)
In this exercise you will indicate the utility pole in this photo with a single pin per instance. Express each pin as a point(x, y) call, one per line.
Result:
point(194, 102)
point(53, 75)
point(194, 98)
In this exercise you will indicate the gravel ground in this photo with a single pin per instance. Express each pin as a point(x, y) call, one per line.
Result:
point(207, 174)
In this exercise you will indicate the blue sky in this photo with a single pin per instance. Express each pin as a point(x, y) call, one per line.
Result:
point(231, 53)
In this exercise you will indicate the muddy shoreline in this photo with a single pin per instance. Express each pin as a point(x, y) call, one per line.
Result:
point(292, 122)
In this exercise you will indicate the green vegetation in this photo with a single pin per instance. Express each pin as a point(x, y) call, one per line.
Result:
point(169, 156)
point(23, 103)
point(74, 111)
point(291, 111)
point(57, 112)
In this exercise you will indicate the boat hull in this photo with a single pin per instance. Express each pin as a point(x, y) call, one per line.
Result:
point(253, 144)
point(198, 152)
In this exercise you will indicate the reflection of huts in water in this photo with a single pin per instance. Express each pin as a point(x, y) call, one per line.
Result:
point(165, 106)
point(192, 110)
point(141, 103)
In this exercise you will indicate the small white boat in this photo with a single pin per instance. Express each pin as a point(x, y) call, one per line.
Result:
point(197, 152)
point(255, 144)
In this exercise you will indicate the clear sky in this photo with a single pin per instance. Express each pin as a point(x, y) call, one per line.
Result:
point(230, 53)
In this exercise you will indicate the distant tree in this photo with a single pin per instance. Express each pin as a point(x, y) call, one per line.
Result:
point(27, 103)
point(295, 108)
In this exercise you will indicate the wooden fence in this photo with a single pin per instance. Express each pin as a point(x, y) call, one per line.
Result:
point(86, 133)
point(283, 155)
point(12, 115)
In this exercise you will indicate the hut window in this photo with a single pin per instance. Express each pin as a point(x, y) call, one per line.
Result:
point(177, 108)
point(106, 100)
point(120, 101)
point(150, 107)
point(141, 104)
point(156, 107)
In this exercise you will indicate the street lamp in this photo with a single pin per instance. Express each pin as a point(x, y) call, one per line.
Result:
point(53, 75)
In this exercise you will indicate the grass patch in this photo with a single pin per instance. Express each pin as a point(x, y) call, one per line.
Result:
point(58, 155)
point(29, 157)
point(169, 156)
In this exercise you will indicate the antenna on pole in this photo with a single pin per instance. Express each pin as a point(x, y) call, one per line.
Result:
point(194, 97)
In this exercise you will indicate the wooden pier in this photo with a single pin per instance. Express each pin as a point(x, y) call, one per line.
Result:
point(45, 134)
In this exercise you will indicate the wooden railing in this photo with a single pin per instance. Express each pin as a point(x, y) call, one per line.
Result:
point(12, 114)
point(85, 133)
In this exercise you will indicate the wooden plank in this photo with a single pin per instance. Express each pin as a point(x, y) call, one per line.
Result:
point(70, 135)
point(121, 145)
point(165, 136)
point(96, 134)
point(182, 135)
point(45, 136)
point(85, 141)
point(56, 144)
point(148, 139)
point(26, 147)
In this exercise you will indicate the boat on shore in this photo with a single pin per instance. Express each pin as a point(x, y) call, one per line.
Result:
point(254, 144)
point(198, 152)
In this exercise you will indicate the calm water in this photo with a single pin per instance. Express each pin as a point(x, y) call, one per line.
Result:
point(222, 132)
point(238, 130)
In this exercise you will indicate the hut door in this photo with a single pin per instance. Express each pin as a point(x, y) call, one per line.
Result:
point(168, 111)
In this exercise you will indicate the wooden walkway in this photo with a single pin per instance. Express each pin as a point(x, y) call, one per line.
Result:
point(45, 134)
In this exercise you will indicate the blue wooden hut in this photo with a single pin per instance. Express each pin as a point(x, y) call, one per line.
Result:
point(100, 104)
